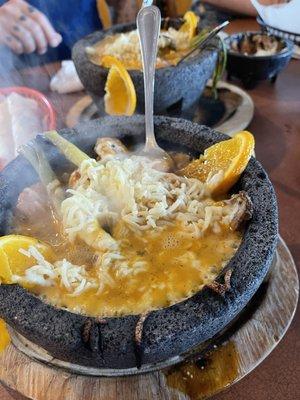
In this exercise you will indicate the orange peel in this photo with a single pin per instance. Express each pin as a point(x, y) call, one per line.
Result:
point(120, 97)
point(231, 157)
point(12, 262)
point(4, 336)
point(190, 24)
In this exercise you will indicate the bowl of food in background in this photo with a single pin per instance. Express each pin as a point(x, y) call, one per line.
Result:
point(24, 112)
point(175, 83)
point(256, 56)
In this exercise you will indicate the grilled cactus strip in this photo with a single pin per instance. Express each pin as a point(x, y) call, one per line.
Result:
point(220, 68)
point(68, 149)
point(35, 155)
point(197, 40)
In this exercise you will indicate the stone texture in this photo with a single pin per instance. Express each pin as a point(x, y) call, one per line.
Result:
point(184, 82)
point(167, 332)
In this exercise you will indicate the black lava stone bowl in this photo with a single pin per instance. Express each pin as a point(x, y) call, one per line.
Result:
point(135, 341)
point(251, 68)
point(182, 84)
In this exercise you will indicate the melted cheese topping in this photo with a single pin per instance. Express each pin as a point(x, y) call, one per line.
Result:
point(169, 267)
point(168, 238)
point(173, 45)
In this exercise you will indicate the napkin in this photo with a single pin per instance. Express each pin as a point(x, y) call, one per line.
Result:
point(283, 16)
point(66, 80)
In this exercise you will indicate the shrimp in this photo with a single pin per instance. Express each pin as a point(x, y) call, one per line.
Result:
point(106, 147)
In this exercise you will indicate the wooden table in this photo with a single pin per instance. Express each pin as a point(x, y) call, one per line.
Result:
point(276, 126)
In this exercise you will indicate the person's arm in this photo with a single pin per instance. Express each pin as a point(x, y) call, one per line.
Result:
point(24, 29)
point(241, 6)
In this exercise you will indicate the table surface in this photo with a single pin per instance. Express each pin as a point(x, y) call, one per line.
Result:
point(276, 126)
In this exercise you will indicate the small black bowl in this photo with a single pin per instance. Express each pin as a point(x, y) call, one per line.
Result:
point(251, 68)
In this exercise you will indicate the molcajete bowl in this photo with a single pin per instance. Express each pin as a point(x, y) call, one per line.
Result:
point(165, 333)
point(182, 84)
point(251, 69)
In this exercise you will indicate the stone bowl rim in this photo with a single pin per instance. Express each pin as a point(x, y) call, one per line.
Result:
point(173, 311)
point(80, 46)
point(286, 51)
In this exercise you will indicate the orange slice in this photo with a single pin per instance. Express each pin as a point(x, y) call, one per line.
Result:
point(190, 24)
point(5, 271)
point(229, 156)
point(4, 336)
point(104, 13)
point(120, 97)
point(12, 262)
point(182, 6)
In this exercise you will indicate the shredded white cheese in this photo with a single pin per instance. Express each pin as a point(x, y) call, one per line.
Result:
point(131, 193)
point(143, 198)
point(127, 45)
point(72, 277)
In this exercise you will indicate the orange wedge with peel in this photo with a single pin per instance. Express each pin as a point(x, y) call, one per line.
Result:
point(5, 271)
point(120, 97)
point(231, 157)
point(182, 6)
point(190, 24)
point(4, 336)
point(12, 262)
point(104, 13)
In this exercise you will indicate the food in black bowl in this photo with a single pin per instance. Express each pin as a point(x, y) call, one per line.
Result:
point(134, 265)
point(256, 56)
point(173, 83)
point(294, 37)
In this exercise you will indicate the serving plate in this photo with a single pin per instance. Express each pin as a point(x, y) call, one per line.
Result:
point(165, 333)
point(230, 113)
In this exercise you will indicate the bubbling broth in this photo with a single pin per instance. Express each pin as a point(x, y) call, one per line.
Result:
point(129, 239)
point(173, 268)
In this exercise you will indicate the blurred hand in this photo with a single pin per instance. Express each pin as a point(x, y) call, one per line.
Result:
point(271, 2)
point(25, 30)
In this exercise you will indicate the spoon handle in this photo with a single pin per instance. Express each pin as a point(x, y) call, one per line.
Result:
point(148, 25)
point(147, 3)
point(204, 42)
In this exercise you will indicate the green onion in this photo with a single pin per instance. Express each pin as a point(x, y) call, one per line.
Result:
point(196, 40)
point(222, 58)
point(220, 68)
point(69, 150)
point(34, 154)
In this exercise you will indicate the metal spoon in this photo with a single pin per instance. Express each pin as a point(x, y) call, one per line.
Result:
point(204, 42)
point(148, 26)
